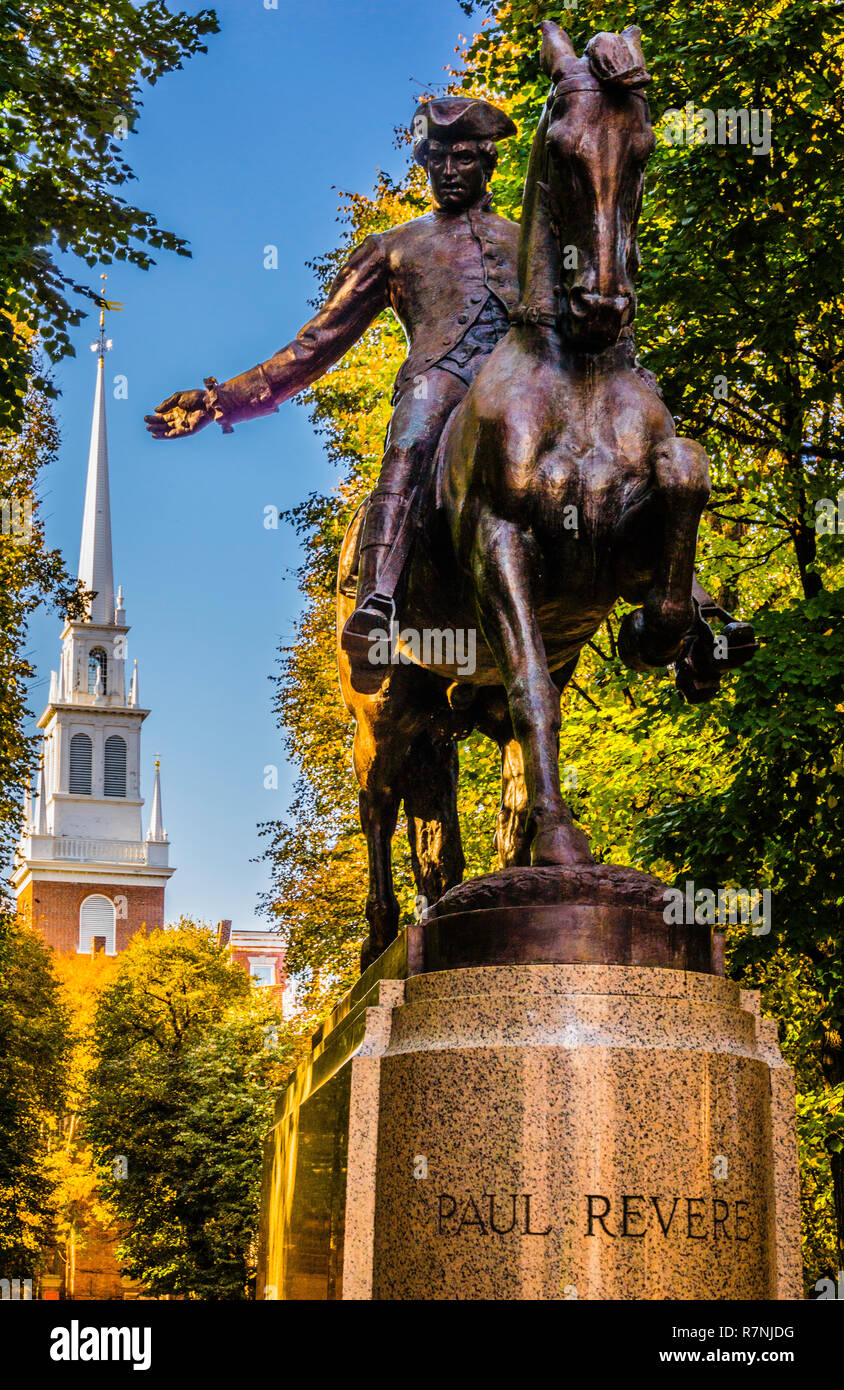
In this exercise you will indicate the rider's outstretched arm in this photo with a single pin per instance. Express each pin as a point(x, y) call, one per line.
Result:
point(357, 296)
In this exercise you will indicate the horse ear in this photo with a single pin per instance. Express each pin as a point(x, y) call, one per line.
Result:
point(633, 35)
point(557, 50)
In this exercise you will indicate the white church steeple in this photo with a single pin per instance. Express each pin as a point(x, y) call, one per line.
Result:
point(96, 568)
point(86, 826)
point(156, 835)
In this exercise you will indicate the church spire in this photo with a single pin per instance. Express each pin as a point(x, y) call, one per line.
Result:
point(95, 560)
point(41, 802)
point(84, 828)
point(156, 830)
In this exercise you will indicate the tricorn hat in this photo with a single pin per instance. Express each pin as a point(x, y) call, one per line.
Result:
point(457, 118)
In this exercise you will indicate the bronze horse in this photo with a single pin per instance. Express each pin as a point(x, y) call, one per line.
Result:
point(561, 488)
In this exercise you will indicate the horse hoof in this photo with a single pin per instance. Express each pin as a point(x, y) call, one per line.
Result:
point(367, 680)
point(741, 644)
point(694, 688)
point(560, 844)
point(368, 954)
point(641, 650)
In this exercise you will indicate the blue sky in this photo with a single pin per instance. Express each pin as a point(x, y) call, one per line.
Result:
point(246, 146)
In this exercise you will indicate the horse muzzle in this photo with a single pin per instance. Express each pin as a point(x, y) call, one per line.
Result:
point(597, 319)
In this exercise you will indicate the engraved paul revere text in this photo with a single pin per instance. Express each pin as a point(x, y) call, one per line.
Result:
point(630, 1215)
point(691, 1218)
point(489, 1215)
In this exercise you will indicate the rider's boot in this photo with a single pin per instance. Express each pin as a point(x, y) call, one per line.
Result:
point(374, 611)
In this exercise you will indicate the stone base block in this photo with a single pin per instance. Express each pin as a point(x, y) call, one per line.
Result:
point(536, 1132)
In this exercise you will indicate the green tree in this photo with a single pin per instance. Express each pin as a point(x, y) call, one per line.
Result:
point(186, 1053)
point(34, 1056)
point(776, 817)
point(71, 78)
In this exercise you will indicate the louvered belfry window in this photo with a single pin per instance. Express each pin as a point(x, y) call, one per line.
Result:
point(114, 781)
point(96, 918)
point(97, 666)
point(80, 765)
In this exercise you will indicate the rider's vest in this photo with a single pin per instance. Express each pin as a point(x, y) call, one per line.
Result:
point(480, 338)
point(441, 272)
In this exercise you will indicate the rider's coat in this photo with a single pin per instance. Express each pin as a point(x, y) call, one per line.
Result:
point(436, 272)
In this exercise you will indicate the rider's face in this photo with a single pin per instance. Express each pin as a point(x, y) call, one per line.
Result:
point(457, 173)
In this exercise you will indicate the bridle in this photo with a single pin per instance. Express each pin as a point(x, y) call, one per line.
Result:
point(585, 82)
point(582, 82)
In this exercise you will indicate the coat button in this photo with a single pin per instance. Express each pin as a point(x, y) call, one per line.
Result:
point(462, 318)
point(475, 299)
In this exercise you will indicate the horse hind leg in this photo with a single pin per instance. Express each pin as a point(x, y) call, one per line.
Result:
point(433, 826)
point(652, 635)
point(379, 810)
point(512, 842)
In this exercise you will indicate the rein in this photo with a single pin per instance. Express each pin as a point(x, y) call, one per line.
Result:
point(584, 83)
point(529, 313)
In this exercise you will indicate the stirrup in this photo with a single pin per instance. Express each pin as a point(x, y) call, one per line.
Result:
point(371, 615)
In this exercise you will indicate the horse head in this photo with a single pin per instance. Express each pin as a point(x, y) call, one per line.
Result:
point(594, 141)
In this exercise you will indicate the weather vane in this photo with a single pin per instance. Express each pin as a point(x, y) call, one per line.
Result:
point(104, 344)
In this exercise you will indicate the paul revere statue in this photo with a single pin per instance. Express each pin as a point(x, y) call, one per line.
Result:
point(451, 278)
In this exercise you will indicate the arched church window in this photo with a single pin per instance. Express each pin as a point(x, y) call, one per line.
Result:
point(114, 779)
point(80, 765)
point(97, 671)
point(96, 918)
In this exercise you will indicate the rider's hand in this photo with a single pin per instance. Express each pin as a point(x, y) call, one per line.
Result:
point(185, 412)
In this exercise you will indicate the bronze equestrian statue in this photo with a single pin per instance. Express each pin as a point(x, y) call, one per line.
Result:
point(559, 487)
point(451, 279)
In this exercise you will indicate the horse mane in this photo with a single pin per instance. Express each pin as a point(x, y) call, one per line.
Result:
point(531, 194)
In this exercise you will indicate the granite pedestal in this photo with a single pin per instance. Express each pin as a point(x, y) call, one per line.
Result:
point(535, 1131)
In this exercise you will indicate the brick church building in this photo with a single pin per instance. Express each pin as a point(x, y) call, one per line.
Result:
point(86, 876)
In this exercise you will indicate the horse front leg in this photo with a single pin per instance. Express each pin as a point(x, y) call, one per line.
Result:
point(504, 563)
point(653, 634)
